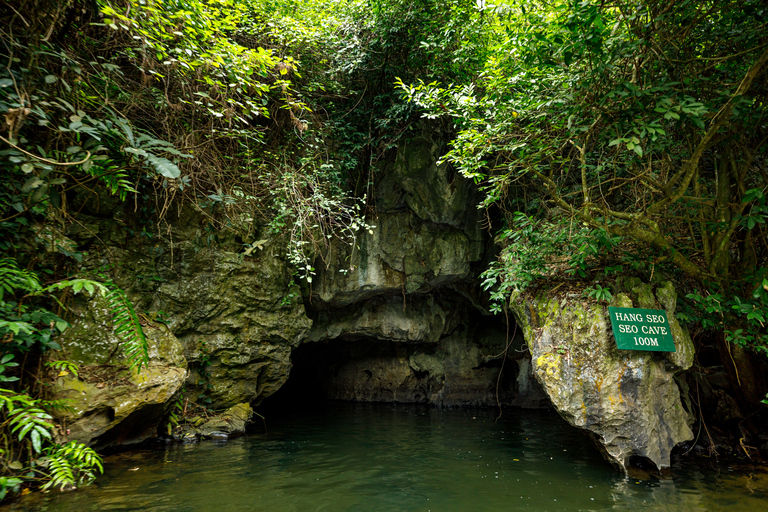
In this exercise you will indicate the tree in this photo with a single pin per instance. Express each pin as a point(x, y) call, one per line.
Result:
point(642, 124)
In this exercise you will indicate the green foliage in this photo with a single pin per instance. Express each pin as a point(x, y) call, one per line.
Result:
point(24, 326)
point(70, 465)
point(530, 247)
point(27, 325)
point(127, 326)
point(535, 250)
point(63, 367)
point(29, 420)
point(176, 414)
point(7, 362)
point(25, 419)
point(643, 120)
point(9, 484)
point(747, 312)
point(66, 465)
point(188, 36)
point(600, 293)
point(203, 364)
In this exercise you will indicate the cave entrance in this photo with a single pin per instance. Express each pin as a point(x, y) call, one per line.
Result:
point(474, 365)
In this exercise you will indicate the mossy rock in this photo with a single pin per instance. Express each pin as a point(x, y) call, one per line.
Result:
point(628, 400)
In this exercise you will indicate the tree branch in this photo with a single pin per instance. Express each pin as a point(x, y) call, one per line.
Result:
point(721, 119)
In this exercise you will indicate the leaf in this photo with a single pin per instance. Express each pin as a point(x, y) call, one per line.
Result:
point(164, 167)
point(39, 193)
point(30, 184)
point(49, 79)
point(127, 327)
point(136, 151)
point(35, 437)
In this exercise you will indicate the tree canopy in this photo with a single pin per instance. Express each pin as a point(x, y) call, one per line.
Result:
point(625, 132)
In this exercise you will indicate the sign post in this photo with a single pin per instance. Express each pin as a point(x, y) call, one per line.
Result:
point(641, 329)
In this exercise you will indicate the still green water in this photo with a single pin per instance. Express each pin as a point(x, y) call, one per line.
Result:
point(384, 457)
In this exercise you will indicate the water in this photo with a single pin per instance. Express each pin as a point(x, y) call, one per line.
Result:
point(384, 457)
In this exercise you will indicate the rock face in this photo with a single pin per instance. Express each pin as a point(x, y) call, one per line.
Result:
point(112, 405)
point(402, 304)
point(231, 422)
point(627, 400)
point(233, 319)
point(398, 317)
point(237, 317)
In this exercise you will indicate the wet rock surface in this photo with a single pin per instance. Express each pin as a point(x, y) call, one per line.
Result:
point(230, 423)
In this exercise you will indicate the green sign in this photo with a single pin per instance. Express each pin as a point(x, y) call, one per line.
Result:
point(641, 329)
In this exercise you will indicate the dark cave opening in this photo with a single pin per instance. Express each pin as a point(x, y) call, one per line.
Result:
point(475, 365)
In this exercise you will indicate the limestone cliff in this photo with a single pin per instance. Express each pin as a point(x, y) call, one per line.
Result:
point(399, 316)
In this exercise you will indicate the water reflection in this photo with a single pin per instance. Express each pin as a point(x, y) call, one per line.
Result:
point(400, 458)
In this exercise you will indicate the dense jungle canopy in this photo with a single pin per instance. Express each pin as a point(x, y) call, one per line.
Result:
point(608, 137)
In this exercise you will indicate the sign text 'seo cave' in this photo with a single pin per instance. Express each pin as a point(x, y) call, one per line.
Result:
point(641, 329)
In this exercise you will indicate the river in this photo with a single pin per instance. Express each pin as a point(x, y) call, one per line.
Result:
point(386, 457)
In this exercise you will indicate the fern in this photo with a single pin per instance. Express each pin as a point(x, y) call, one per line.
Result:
point(128, 328)
point(33, 421)
point(67, 465)
point(126, 324)
point(72, 464)
point(125, 320)
point(63, 404)
point(64, 367)
point(13, 278)
point(60, 472)
point(77, 286)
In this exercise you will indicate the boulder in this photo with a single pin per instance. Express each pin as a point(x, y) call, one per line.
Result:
point(123, 409)
point(110, 404)
point(627, 400)
point(231, 422)
point(238, 318)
